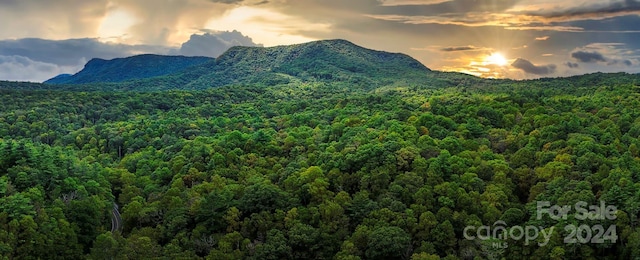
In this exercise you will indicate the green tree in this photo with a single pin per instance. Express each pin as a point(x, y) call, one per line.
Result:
point(387, 243)
point(275, 247)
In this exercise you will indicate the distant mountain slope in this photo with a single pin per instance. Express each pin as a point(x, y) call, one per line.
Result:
point(329, 61)
point(59, 78)
point(123, 69)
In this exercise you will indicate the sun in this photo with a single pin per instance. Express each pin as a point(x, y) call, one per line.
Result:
point(496, 59)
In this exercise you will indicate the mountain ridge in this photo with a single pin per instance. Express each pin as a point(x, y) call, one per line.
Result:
point(141, 66)
point(324, 60)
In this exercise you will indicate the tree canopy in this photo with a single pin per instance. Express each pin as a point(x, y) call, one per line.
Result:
point(316, 170)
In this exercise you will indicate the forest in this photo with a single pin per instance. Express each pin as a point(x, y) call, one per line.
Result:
point(318, 170)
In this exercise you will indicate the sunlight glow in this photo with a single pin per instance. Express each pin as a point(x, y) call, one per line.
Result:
point(486, 65)
point(266, 26)
point(496, 59)
point(115, 24)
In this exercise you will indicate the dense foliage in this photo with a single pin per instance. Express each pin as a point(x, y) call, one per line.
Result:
point(315, 170)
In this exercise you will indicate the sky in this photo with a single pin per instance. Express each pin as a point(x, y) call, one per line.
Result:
point(517, 39)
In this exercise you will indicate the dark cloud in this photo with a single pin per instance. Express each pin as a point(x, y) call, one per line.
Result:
point(34, 59)
point(212, 44)
point(596, 10)
point(498, 13)
point(588, 57)
point(620, 24)
point(459, 48)
point(529, 67)
point(572, 65)
point(627, 63)
point(71, 52)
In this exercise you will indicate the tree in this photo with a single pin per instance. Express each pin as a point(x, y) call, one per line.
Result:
point(275, 247)
point(105, 247)
point(216, 211)
point(388, 243)
point(444, 237)
point(303, 239)
point(263, 196)
point(139, 247)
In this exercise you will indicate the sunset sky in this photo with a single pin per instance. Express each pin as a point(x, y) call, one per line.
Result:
point(490, 38)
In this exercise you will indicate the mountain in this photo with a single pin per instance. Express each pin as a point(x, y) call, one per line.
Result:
point(333, 61)
point(60, 78)
point(123, 69)
point(327, 60)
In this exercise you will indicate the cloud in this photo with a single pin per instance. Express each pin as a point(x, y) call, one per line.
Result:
point(226, 1)
point(612, 56)
point(411, 2)
point(19, 68)
point(572, 65)
point(529, 67)
point(557, 28)
point(433, 7)
point(34, 59)
point(152, 22)
point(515, 15)
point(170, 22)
point(460, 48)
point(627, 63)
point(238, 2)
point(591, 11)
point(482, 19)
point(444, 27)
point(588, 57)
point(267, 26)
point(470, 20)
point(212, 43)
point(167, 22)
point(58, 19)
point(73, 51)
point(452, 49)
point(613, 25)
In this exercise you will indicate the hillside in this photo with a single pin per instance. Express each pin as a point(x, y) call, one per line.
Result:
point(323, 150)
point(129, 68)
point(329, 61)
point(319, 170)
